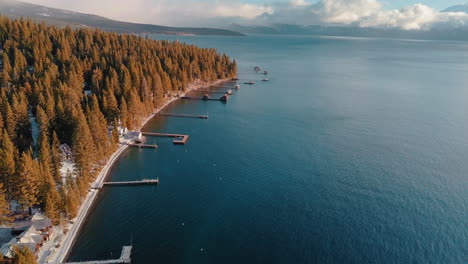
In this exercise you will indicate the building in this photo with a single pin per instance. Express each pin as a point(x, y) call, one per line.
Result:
point(135, 136)
point(122, 130)
point(33, 233)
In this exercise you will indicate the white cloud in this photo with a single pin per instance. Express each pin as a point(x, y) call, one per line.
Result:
point(248, 11)
point(414, 17)
point(345, 12)
point(363, 13)
point(299, 3)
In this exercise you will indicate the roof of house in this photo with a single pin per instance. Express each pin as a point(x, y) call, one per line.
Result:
point(7, 249)
point(133, 134)
point(32, 235)
point(42, 224)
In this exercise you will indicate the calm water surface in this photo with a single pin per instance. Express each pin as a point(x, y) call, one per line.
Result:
point(356, 151)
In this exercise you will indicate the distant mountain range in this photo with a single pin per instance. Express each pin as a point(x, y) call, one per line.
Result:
point(353, 31)
point(59, 17)
point(457, 8)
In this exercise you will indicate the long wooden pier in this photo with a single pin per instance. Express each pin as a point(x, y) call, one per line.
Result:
point(179, 139)
point(212, 91)
point(222, 99)
point(138, 145)
point(184, 115)
point(125, 257)
point(222, 86)
point(126, 183)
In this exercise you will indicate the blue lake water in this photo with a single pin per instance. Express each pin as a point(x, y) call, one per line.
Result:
point(355, 151)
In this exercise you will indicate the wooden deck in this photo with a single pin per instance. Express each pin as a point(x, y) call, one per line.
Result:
point(200, 98)
point(184, 115)
point(138, 145)
point(179, 139)
point(224, 98)
point(125, 257)
point(126, 183)
point(222, 86)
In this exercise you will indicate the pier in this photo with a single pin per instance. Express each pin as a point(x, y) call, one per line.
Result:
point(206, 98)
point(178, 138)
point(98, 186)
point(184, 115)
point(125, 257)
point(212, 91)
point(223, 86)
point(138, 145)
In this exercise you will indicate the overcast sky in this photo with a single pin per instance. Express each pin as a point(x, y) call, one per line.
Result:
point(405, 14)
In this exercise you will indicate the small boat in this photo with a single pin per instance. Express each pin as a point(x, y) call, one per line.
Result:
point(265, 80)
point(257, 69)
point(265, 72)
point(250, 82)
point(224, 98)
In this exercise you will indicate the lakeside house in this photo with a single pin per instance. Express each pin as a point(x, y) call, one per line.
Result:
point(30, 233)
point(135, 136)
point(121, 130)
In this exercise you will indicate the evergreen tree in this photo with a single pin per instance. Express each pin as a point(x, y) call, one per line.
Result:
point(23, 256)
point(28, 185)
point(5, 219)
point(115, 136)
point(52, 209)
point(7, 164)
point(56, 159)
point(83, 145)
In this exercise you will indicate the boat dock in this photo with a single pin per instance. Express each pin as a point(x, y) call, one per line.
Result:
point(179, 139)
point(126, 183)
point(207, 98)
point(200, 98)
point(125, 257)
point(212, 91)
point(222, 86)
point(138, 145)
point(184, 115)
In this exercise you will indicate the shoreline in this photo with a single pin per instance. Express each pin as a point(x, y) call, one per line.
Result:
point(86, 206)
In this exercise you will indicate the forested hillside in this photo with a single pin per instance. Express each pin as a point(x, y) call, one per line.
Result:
point(74, 83)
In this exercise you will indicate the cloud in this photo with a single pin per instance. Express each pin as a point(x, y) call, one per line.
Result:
point(219, 13)
point(414, 17)
point(365, 13)
point(369, 13)
point(299, 3)
point(168, 12)
point(345, 12)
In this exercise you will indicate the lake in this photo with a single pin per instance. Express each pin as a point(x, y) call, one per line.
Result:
point(355, 151)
